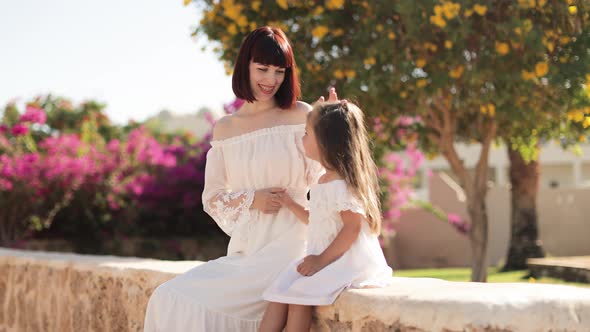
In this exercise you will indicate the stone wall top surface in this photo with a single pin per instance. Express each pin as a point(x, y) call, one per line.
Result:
point(409, 304)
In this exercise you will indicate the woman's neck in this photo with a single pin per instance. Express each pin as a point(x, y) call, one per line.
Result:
point(256, 107)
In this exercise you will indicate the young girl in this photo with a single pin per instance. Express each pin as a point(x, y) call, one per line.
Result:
point(344, 221)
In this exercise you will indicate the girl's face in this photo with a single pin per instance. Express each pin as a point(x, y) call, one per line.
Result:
point(265, 80)
point(310, 143)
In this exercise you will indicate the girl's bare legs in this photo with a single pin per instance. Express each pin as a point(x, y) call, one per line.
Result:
point(275, 317)
point(299, 318)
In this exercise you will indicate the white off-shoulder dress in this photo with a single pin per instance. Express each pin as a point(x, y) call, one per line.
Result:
point(362, 265)
point(226, 294)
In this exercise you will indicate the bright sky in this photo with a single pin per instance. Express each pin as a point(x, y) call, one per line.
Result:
point(136, 56)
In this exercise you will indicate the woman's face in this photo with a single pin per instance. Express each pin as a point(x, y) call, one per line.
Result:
point(310, 143)
point(265, 80)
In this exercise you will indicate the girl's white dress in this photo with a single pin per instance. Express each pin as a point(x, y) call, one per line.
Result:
point(226, 294)
point(363, 265)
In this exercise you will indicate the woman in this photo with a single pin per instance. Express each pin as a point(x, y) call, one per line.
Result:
point(255, 154)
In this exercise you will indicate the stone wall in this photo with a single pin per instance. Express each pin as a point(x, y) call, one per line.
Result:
point(66, 292)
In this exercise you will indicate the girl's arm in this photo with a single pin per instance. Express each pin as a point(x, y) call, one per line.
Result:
point(299, 211)
point(353, 223)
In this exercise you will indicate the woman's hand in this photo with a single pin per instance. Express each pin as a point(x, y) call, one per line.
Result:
point(332, 96)
point(310, 265)
point(267, 200)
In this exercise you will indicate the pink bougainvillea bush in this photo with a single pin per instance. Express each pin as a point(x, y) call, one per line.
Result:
point(78, 183)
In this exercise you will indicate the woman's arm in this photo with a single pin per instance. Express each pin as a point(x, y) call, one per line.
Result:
point(229, 207)
point(353, 223)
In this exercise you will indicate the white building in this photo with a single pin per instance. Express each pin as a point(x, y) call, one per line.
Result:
point(559, 168)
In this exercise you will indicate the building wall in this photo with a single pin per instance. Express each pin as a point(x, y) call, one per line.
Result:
point(423, 241)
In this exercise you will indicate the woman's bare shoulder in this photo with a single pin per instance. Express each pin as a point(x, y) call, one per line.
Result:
point(298, 113)
point(223, 128)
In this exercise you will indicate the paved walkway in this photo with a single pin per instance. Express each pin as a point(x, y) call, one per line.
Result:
point(576, 268)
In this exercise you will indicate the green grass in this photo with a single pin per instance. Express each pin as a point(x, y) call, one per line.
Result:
point(464, 274)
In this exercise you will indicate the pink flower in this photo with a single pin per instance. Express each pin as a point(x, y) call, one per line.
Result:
point(5, 185)
point(34, 115)
point(233, 106)
point(405, 121)
point(19, 130)
point(3, 129)
point(454, 218)
point(460, 225)
point(209, 118)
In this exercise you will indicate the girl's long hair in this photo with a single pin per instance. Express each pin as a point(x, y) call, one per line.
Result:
point(343, 142)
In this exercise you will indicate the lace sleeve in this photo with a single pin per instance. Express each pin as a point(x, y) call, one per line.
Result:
point(346, 201)
point(228, 208)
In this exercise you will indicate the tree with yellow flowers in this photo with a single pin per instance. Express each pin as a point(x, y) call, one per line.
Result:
point(473, 71)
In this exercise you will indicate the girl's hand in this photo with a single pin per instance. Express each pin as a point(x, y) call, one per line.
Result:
point(310, 265)
point(332, 97)
point(285, 199)
point(267, 201)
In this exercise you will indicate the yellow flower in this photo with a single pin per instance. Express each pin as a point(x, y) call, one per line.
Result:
point(457, 72)
point(582, 139)
point(314, 68)
point(448, 44)
point(379, 27)
point(430, 46)
point(526, 3)
point(339, 74)
point(541, 69)
point(391, 35)
point(337, 32)
point(232, 10)
point(403, 94)
point(550, 46)
point(370, 61)
point(451, 9)
point(242, 21)
point(527, 75)
point(421, 83)
point(518, 31)
point(232, 29)
point(576, 116)
point(420, 63)
point(468, 12)
point(587, 78)
point(564, 40)
point(480, 10)
point(350, 73)
point(438, 10)
point(320, 31)
point(283, 4)
point(502, 48)
point(256, 5)
point(318, 11)
point(586, 122)
point(488, 109)
point(334, 4)
point(573, 10)
point(438, 21)
point(492, 109)
point(186, 2)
